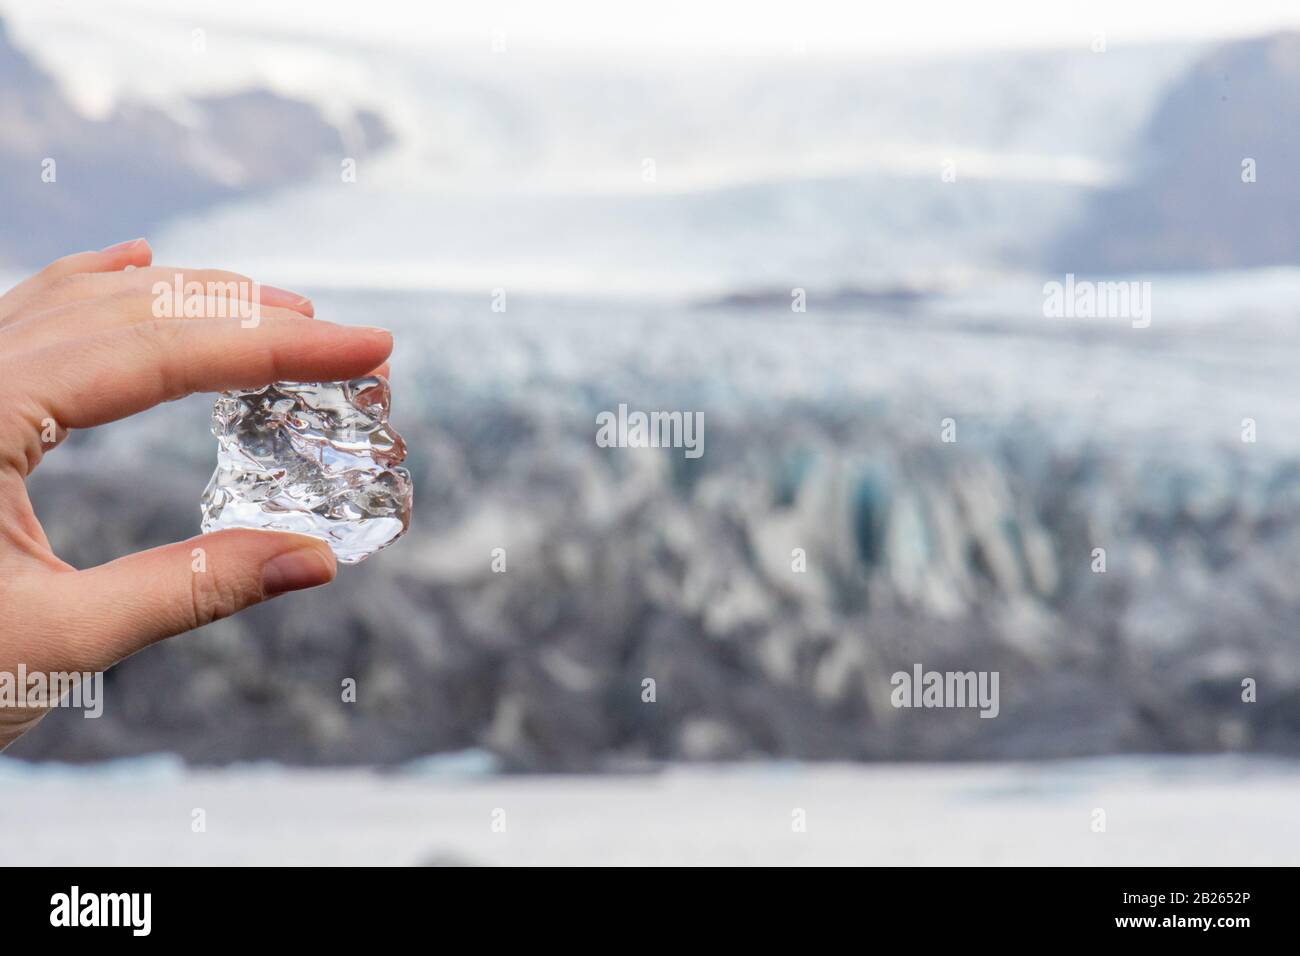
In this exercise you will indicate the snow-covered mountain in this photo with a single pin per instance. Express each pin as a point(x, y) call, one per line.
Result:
point(648, 175)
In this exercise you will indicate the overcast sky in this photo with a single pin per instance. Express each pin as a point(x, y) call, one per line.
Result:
point(721, 26)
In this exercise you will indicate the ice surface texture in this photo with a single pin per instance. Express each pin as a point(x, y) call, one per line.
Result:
point(316, 458)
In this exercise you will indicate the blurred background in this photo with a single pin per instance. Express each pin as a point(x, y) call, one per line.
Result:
point(566, 206)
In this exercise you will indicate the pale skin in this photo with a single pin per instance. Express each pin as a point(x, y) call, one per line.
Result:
point(79, 347)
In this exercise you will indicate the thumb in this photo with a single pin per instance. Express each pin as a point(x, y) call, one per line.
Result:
point(132, 602)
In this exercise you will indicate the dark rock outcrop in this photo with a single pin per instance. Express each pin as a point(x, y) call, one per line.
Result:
point(68, 182)
point(1187, 206)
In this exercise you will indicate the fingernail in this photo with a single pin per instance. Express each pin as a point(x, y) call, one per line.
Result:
point(304, 568)
point(283, 298)
point(122, 246)
point(375, 330)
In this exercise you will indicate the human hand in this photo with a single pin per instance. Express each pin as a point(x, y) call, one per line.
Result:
point(80, 346)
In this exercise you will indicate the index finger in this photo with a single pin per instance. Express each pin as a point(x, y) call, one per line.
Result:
point(115, 258)
point(110, 375)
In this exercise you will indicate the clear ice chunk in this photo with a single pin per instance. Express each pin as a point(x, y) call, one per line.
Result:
point(315, 458)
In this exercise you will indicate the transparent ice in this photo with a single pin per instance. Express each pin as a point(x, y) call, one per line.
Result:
point(316, 458)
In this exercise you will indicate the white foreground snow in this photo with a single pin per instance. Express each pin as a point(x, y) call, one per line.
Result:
point(1157, 811)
